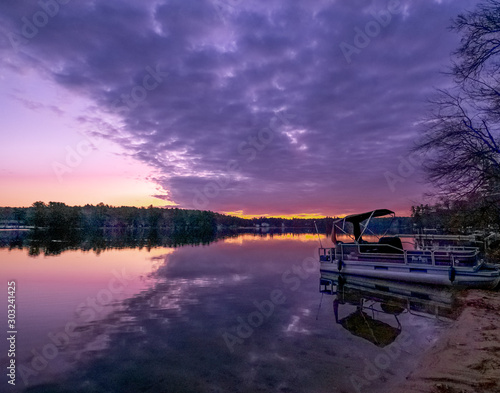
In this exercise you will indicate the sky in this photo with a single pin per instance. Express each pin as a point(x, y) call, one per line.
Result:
point(279, 108)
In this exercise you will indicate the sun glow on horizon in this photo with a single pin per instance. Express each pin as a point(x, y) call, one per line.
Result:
point(248, 237)
point(240, 214)
point(310, 216)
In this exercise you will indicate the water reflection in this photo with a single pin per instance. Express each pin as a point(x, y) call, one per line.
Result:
point(42, 242)
point(367, 326)
point(169, 334)
point(169, 337)
point(379, 305)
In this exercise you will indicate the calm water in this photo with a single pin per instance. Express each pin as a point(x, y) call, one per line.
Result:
point(241, 314)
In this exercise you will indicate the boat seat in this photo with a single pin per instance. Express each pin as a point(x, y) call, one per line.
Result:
point(390, 241)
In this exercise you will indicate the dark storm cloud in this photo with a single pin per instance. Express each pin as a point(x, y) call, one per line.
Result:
point(252, 105)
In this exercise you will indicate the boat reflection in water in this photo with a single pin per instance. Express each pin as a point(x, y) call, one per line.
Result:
point(380, 303)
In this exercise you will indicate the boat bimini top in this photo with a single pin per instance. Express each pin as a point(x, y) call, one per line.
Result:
point(356, 220)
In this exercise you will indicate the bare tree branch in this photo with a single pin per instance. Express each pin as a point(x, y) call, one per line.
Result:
point(461, 136)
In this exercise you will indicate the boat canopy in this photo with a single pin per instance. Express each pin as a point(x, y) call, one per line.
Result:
point(364, 216)
point(356, 220)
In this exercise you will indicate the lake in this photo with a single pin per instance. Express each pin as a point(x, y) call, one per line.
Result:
point(242, 314)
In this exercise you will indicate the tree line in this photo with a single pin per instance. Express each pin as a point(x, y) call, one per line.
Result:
point(58, 216)
point(456, 216)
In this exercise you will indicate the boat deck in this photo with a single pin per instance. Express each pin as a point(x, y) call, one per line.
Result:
point(386, 253)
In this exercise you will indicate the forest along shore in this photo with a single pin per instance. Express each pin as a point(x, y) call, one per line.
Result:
point(466, 358)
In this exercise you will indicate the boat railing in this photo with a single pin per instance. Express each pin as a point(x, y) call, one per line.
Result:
point(448, 248)
point(386, 253)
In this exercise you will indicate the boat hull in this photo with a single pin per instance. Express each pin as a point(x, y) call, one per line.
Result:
point(479, 277)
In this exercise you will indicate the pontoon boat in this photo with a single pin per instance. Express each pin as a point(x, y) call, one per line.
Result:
point(388, 259)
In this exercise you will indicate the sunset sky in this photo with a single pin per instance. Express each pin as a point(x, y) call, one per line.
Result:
point(250, 107)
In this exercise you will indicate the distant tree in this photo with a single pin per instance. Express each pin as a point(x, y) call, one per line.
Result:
point(98, 215)
point(6, 214)
point(154, 216)
point(19, 215)
point(58, 216)
point(39, 214)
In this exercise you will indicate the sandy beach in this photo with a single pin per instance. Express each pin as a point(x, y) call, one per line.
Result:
point(465, 359)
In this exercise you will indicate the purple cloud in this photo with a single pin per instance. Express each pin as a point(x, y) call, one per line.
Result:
point(256, 98)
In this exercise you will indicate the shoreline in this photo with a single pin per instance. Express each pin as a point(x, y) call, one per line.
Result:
point(466, 358)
